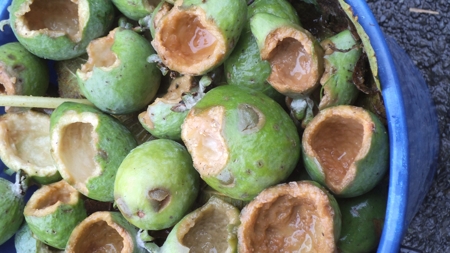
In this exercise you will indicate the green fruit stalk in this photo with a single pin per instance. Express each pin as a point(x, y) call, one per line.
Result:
point(342, 52)
point(49, 33)
point(117, 77)
point(21, 72)
point(195, 36)
point(156, 184)
point(88, 146)
point(241, 141)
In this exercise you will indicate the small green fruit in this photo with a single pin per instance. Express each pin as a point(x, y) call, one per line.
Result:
point(88, 147)
point(46, 31)
point(346, 149)
point(241, 141)
point(11, 209)
point(117, 77)
point(53, 211)
point(156, 184)
point(362, 222)
point(21, 72)
point(136, 9)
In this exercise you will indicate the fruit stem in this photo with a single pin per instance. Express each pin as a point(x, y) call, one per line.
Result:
point(3, 23)
point(37, 102)
point(144, 240)
point(21, 183)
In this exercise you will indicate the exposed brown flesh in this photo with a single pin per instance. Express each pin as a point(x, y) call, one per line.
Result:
point(286, 225)
point(100, 53)
point(202, 134)
point(98, 237)
point(77, 150)
point(187, 40)
point(56, 192)
point(209, 232)
point(54, 15)
point(336, 142)
point(291, 65)
point(6, 83)
point(159, 198)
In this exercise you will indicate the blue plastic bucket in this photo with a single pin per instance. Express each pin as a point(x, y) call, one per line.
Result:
point(412, 125)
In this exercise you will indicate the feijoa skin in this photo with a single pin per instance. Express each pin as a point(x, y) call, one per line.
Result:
point(11, 209)
point(346, 149)
point(362, 222)
point(53, 211)
point(244, 67)
point(88, 146)
point(241, 141)
point(21, 72)
point(136, 9)
point(25, 242)
point(117, 77)
point(210, 227)
point(46, 31)
point(156, 184)
point(196, 36)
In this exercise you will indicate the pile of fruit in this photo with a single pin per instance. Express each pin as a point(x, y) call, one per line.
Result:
point(191, 126)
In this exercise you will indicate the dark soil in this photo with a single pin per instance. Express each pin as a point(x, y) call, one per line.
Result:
point(426, 38)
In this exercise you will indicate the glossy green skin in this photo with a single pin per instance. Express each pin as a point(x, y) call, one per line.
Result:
point(25, 242)
point(133, 9)
point(55, 228)
point(172, 243)
point(339, 87)
point(128, 87)
point(362, 222)
point(101, 14)
point(166, 123)
point(370, 170)
point(257, 159)
point(31, 72)
point(244, 66)
point(115, 141)
point(157, 164)
point(11, 210)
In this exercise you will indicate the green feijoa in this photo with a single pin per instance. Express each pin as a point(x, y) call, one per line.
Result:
point(342, 52)
point(244, 66)
point(21, 72)
point(195, 36)
point(362, 222)
point(25, 145)
point(346, 149)
point(11, 209)
point(161, 119)
point(53, 211)
point(46, 31)
point(88, 147)
point(25, 242)
point(104, 232)
point(136, 9)
point(295, 56)
point(301, 216)
point(117, 77)
point(210, 228)
point(241, 141)
point(156, 184)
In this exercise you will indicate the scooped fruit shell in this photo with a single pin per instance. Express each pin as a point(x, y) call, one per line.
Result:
point(289, 218)
point(196, 36)
point(24, 242)
point(69, 31)
point(295, 56)
point(53, 211)
point(346, 148)
point(210, 227)
point(25, 145)
point(88, 146)
point(104, 232)
point(231, 134)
